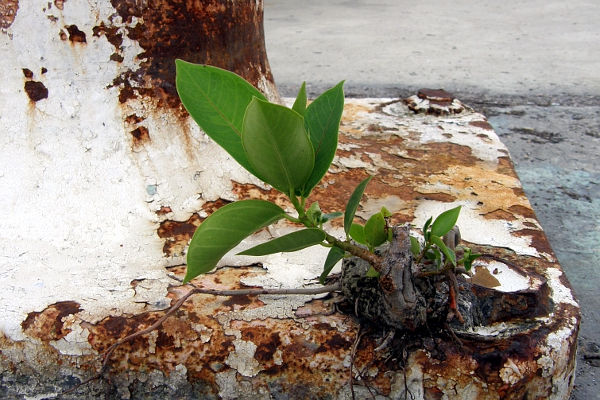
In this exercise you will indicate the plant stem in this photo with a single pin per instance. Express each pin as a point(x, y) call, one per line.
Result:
point(366, 255)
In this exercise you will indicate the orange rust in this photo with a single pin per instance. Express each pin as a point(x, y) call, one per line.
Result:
point(482, 124)
point(140, 135)
point(48, 324)
point(245, 191)
point(8, 12)
point(75, 35)
point(177, 234)
point(226, 35)
point(500, 214)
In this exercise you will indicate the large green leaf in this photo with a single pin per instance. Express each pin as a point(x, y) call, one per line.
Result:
point(322, 122)
point(445, 221)
point(225, 229)
point(333, 257)
point(353, 204)
point(277, 145)
point(217, 100)
point(291, 242)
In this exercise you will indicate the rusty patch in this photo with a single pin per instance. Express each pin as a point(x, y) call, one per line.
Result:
point(48, 325)
point(177, 234)
point(27, 73)
point(245, 191)
point(435, 94)
point(482, 124)
point(164, 210)
point(140, 135)
point(133, 119)
point(75, 35)
point(36, 90)
point(60, 4)
point(8, 12)
point(230, 40)
point(501, 215)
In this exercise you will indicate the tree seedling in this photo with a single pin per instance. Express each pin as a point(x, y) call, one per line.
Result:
point(290, 149)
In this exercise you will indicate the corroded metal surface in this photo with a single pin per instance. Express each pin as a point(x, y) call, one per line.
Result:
point(256, 347)
point(104, 179)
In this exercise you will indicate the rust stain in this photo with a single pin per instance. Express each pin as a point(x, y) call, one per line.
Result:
point(27, 73)
point(245, 191)
point(48, 325)
point(233, 40)
point(36, 90)
point(75, 35)
point(482, 124)
point(177, 234)
point(140, 135)
point(8, 12)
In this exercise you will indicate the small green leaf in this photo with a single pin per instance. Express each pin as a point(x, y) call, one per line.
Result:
point(375, 231)
point(353, 204)
point(277, 145)
point(333, 257)
point(300, 103)
point(445, 221)
point(450, 255)
point(224, 229)
point(372, 273)
point(357, 232)
point(437, 257)
point(217, 100)
point(330, 216)
point(415, 246)
point(294, 241)
point(314, 213)
point(425, 229)
point(322, 122)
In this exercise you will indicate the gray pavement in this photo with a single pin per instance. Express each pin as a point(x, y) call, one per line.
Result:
point(533, 68)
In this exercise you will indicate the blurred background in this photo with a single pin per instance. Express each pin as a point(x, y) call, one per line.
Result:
point(532, 67)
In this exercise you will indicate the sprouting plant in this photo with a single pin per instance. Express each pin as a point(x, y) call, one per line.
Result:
point(290, 149)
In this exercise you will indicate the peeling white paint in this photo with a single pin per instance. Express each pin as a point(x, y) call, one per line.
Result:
point(510, 281)
point(475, 229)
point(242, 359)
point(560, 293)
point(80, 222)
point(75, 343)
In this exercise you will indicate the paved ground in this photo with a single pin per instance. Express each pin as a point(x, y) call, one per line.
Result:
point(533, 68)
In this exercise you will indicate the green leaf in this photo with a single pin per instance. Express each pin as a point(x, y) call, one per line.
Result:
point(425, 229)
point(375, 230)
point(415, 246)
point(300, 103)
point(225, 229)
point(333, 257)
point(372, 273)
point(357, 232)
point(445, 221)
point(294, 241)
point(449, 253)
point(353, 204)
point(330, 216)
point(277, 145)
point(322, 122)
point(217, 100)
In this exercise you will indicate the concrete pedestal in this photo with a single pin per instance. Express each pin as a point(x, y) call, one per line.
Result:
point(426, 156)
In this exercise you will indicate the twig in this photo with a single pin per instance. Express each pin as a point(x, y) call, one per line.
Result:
point(236, 292)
